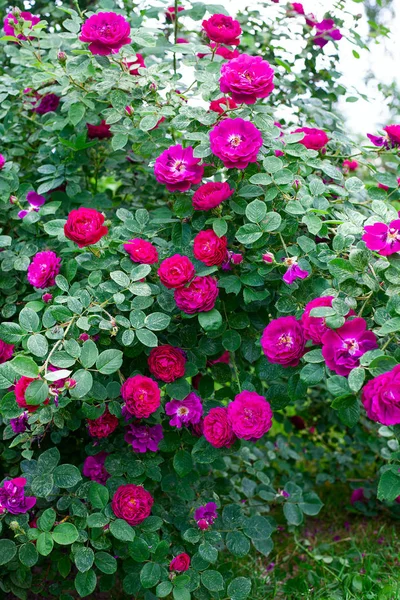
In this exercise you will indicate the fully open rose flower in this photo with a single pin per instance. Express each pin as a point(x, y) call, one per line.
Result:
point(141, 395)
point(180, 563)
point(94, 468)
point(206, 515)
point(314, 139)
point(141, 251)
point(393, 133)
point(326, 30)
point(283, 341)
point(167, 363)
point(26, 16)
point(178, 168)
point(315, 327)
point(6, 351)
point(343, 347)
point(236, 142)
point(222, 29)
point(132, 503)
point(184, 412)
point(85, 226)
point(199, 296)
point(222, 105)
point(211, 194)
point(247, 78)
point(106, 33)
point(20, 391)
point(250, 416)
point(143, 438)
point(48, 103)
point(100, 132)
point(13, 499)
point(43, 269)
point(209, 248)
point(176, 271)
point(104, 425)
point(382, 238)
point(381, 397)
point(217, 428)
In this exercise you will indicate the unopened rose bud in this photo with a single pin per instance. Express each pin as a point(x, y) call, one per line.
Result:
point(70, 383)
point(13, 199)
point(83, 337)
point(268, 257)
point(62, 57)
point(47, 298)
point(236, 258)
point(296, 184)
point(153, 87)
point(14, 525)
point(129, 110)
point(16, 12)
point(113, 322)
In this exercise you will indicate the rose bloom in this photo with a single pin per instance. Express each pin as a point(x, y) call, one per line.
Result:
point(176, 271)
point(384, 239)
point(357, 496)
point(206, 515)
point(211, 194)
point(222, 104)
point(94, 468)
point(167, 363)
point(134, 65)
point(180, 563)
point(381, 397)
point(326, 29)
point(43, 269)
point(141, 251)
point(106, 33)
point(217, 428)
point(209, 248)
point(101, 132)
point(222, 29)
point(298, 8)
point(48, 103)
point(143, 437)
point(25, 16)
point(199, 296)
point(314, 139)
point(315, 327)
point(19, 390)
point(221, 51)
point(247, 78)
point(6, 351)
point(350, 165)
point(141, 395)
point(2, 161)
point(13, 499)
point(294, 271)
point(35, 201)
point(20, 424)
point(104, 425)
point(393, 133)
point(250, 416)
point(170, 12)
point(85, 227)
point(178, 168)
point(184, 412)
point(342, 348)
point(132, 503)
point(236, 142)
point(283, 341)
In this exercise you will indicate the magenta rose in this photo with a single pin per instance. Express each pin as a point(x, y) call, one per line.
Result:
point(393, 133)
point(48, 103)
point(141, 251)
point(103, 426)
point(298, 8)
point(350, 165)
point(143, 438)
point(236, 142)
point(20, 389)
point(222, 105)
point(315, 327)
point(209, 248)
point(223, 30)
point(13, 499)
point(141, 395)
point(106, 33)
point(94, 468)
point(283, 341)
point(211, 194)
point(43, 269)
point(343, 347)
point(314, 139)
point(2, 161)
point(134, 66)
point(100, 132)
point(185, 412)
point(178, 168)
point(170, 12)
point(26, 16)
point(217, 428)
point(326, 30)
point(199, 296)
point(6, 351)
point(132, 503)
point(167, 363)
point(180, 563)
point(381, 397)
point(176, 271)
point(85, 226)
point(247, 78)
point(382, 238)
point(250, 416)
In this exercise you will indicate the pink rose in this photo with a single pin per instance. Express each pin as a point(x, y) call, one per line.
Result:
point(199, 296)
point(103, 426)
point(315, 327)
point(350, 165)
point(43, 269)
point(101, 132)
point(217, 428)
point(132, 503)
point(250, 416)
point(223, 30)
point(141, 251)
point(283, 341)
point(94, 468)
point(247, 78)
point(326, 29)
point(298, 8)
point(6, 351)
point(180, 563)
point(85, 226)
point(314, 139)
point(211, 194)
point(393, 133)
point(141, 395)
point(382, 238)
point(222, 105)
point(178, 168)
point(167, 363)
point(106, 33)
point(381, 397)
point(176, 271)
point(236, 142)
point(25, 16)
point(2, 161)
point(134, 66)
point(19, 390)
point(209, 248)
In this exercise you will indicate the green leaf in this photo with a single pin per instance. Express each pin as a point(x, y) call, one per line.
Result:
point(231, 340)
point(212, 580)
point(257, 527)
point(210, 320)
point(220, 227)
point(237, 543)
point(256, 211)
point(48, 460)
point(24, 365)
point(271, 221)
point(389, 485)
point(76, 111)
point(157, 321)
point(293, 514)
point(183, 463)
point(239, 588)
point(85, 583)
point(66, 476)
point(29, 320)
point(38, 345)
point(248, 234)
point(120, 278)
point(272, 164)
point(122, 530)
point(8, 550)
point(7, 376)
point(208, 552)
point(98, 495)
point(84, 383)
point(163, 589)
point(65, 534)
point(28, 554)
point(44, 543)
point(350, 414)
point(119, 141)
point(84, 558)
point(147, 338)
point(89, 354)
point(36, 392)
point(11, 333)
point(356, 379)
point(109, 361)
point(311, 504)
point(150, 575)
point(312, 373)
point(47, 519)
point(105, 562)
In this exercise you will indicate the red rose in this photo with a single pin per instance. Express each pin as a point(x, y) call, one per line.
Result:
point(133, 66)
point(199, 296)
point(167, 363)
point(141, 251)
point(209, 248)
point(211, 194)
point(223, 29)
point(103, 426)
point(20, 389)
point(132, 503)
point(314, 139)
point(101, 131)
point(85, 226)
point(180, 563)
point(222, 104)
point(217, 429)
point(176, 271)
point(141, 395)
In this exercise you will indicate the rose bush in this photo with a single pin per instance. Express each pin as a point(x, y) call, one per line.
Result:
point(197, 298)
